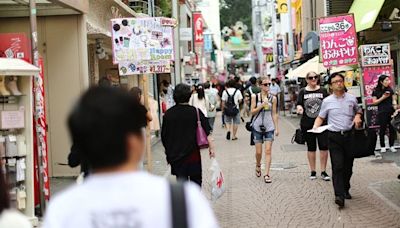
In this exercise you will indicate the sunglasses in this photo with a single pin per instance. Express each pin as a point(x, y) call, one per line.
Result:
point(312, 78)
point(266, 84)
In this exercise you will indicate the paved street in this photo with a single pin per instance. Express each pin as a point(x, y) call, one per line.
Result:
point(292, 200)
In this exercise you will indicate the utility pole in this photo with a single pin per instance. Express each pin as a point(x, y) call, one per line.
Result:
point(291, 46)
point(35, 57)
point(177, 55)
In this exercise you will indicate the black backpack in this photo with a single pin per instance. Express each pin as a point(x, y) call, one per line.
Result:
point(231, 109)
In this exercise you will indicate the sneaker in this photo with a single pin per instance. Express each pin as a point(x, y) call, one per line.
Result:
point(383, 150)
point(325, 176)
point(313, 175)
point(392, 149)
point(378, 155)
point(228, 135)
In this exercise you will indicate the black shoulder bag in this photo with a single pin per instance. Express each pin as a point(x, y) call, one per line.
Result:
point(178, 205)
point(249, 125)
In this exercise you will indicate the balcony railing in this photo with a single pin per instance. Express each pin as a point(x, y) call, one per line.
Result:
point(142, 6)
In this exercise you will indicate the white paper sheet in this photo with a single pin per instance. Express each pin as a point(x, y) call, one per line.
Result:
point(320, 129)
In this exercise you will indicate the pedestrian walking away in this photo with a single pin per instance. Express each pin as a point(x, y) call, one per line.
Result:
point(384, 97)
point(213, 102)
point(265, 126)
point(308, 105)
point(178, 136)
point(343, 113)
point(107, 126)
point(199, 100)
point(231, 99)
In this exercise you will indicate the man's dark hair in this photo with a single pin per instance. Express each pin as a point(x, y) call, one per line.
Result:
point(231, 83)
point(136, 92)
point(237, 79)
point(182, 93)
point(253, 80)
point(104, 81)
point(334, 75)
point(207, 85)
point(165, 83)
point(100, 123)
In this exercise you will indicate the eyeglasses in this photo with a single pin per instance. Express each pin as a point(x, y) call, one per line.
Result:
point(312, 78)
point(266, 84)
point(337, 81)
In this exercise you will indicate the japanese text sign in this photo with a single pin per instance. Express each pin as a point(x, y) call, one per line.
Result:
point(279, 44)
point(338, 40)
point(375, 54)
point(198, 24)
point(144, 67)
point(208, 43)
point(139, 39)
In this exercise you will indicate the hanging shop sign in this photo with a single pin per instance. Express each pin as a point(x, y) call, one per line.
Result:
point(338, 40)
point(279, 44)
point(208, 43)
point(375, 54)
point(186, 34)
point(370, 77)
point(144, 67)
point(140, 39)
point(15, 45)
point(198, 25)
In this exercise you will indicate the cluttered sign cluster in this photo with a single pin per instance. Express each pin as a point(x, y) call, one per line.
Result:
point(143, 45)
point(338, 45)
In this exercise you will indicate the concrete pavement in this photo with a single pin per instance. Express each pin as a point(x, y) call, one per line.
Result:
point(292, 200)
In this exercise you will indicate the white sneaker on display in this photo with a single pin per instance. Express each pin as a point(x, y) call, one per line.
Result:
point(392, 149)
point(383, 150)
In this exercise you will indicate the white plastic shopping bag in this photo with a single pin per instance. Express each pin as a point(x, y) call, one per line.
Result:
point(217, 180)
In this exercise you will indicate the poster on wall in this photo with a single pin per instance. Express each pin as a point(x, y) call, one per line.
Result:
point(370, 77)
point(140, 39)
point(198, 24)
point(375, 54)
point(15, 45)
point(338, 40)
point(144, 67)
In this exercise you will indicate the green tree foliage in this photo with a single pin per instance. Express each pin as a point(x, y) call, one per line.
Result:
point(166, 7)
point(232, 11)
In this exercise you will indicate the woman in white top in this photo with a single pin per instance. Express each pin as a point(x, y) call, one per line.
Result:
point(9, 218)
point(199, 100)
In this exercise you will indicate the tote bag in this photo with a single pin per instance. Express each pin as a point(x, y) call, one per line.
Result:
point(201, 135)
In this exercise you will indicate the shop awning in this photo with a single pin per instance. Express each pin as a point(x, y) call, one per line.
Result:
point(17, 67)
point(365, 12)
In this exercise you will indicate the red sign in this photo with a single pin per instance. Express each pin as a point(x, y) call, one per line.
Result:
point(198, 24)
point(338, 40)
point(15, 45)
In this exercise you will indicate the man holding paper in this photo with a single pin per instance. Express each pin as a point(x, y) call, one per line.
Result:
point(342, 113)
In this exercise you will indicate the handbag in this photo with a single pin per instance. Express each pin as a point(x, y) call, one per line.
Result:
point(363, 142)
point(299, 137)
point(201, 135)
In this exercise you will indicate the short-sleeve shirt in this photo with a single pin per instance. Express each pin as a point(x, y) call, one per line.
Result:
point(274, 89)
point(238, 95)
point(386, 105)
point(311, 102)
point(340, 111)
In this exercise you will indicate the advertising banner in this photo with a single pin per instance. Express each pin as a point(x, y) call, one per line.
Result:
point(338, 40)
point(375, 55)
point(15, 45)
point(198, 24)
point(144, 67)
point(370, 77)
point(139, 39)
point(208, 43)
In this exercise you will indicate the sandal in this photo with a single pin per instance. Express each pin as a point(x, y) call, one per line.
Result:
point(267, 179)
point(258, 170)
point(236, 138)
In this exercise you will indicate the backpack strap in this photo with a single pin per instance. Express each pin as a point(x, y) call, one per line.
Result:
point(178, 205)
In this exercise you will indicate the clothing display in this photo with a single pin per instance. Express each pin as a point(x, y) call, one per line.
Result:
point(3, 89)
point(11, 83)
point(155, 123)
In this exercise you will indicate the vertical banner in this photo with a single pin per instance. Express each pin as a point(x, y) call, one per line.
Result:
point(338, 40)
point(208, 43)
point(370, 76)
point(279, 43)
point(198, 24)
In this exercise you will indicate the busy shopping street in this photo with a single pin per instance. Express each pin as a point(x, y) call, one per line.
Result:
point(199, 113)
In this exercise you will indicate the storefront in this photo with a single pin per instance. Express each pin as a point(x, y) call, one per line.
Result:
point(62, 43)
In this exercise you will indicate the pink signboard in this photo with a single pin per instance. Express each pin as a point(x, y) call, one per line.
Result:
point(338, 40)
point(370, 76)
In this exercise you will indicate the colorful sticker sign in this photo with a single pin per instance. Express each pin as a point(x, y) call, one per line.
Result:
point(144, 67)
point(370, 76)
point(338, 40)
point(139, 39)
point(375, 54)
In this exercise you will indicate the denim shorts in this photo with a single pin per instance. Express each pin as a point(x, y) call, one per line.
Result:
point(261, 137)
point(234, 119)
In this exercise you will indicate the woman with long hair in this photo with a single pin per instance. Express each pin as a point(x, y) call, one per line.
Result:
point(265, 126)
point(309, 104)
point(8, 217)
point(384, 97)
point(199, 100)
point(137, 93)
